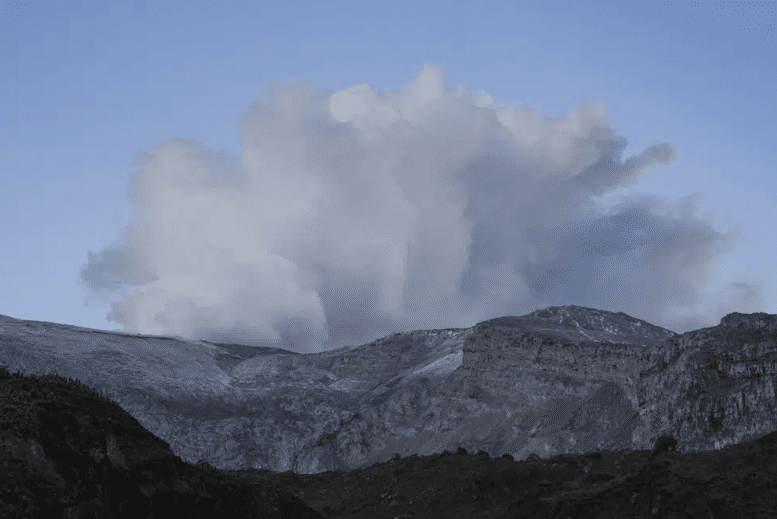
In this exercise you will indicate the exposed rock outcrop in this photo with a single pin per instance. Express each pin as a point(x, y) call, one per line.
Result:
point(567, 378)
point(68, 452)
point(712, 387)
point(559, 380)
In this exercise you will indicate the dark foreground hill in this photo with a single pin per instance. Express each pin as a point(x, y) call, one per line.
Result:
point(69, 452)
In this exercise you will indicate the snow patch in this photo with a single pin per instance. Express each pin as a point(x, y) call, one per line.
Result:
point(441, 367)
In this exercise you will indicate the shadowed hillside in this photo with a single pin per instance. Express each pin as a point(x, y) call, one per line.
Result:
point(69, 452)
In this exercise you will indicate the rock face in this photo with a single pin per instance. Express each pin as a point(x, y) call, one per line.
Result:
point(68, 452)
point(565, 378)
point(712, 387)
point(560, 380)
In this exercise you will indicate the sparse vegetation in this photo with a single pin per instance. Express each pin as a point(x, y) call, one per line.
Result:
point(21, 394)
point(67, 451)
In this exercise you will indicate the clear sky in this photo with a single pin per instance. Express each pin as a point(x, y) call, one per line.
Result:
point(314, 174)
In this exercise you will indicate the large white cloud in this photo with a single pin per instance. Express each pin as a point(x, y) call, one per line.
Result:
point(354, 214)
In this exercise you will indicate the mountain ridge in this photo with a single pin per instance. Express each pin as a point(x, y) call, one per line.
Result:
point(68, 451)
point(563, 379)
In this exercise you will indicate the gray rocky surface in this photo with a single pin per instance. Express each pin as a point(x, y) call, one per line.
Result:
point(559, 380)
point(713, 387)
point(66, 451)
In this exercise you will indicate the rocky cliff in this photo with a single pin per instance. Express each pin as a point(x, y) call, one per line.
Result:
point(560, 380)
point(713, 387)
point(68, 452)
point(567, 378)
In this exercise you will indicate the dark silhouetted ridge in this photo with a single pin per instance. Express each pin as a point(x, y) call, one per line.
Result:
point(69, 452)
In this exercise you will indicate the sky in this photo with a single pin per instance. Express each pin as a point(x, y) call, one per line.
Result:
point(309, 175)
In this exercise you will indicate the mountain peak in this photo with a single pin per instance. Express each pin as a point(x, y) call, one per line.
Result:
point(580, 323)
point(756, 320)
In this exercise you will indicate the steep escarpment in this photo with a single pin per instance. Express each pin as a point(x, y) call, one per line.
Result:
point(712, 387)
point(520, 363)
point(577, 385)
point(518, 357)
point(569, 374)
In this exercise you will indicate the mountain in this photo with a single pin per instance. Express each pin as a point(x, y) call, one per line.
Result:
point(713, 387)
point(562, 380)
point(69, 452)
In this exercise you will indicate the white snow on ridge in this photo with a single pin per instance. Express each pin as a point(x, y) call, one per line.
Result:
point(449, 353)
point(441, 367)
point(581, 329)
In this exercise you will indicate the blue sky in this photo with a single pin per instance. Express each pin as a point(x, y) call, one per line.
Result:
point(314, 174)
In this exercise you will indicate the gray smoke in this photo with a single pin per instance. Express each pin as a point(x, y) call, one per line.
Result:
point(355, 214)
